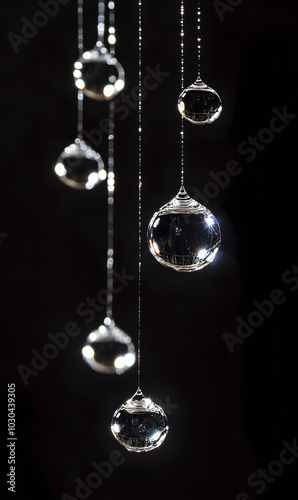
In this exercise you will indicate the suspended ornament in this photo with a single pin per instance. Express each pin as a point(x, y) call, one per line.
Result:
point(183, 234)
point(79, 166)
point(198, 103)
point(109, 350)
point(140, 424)
point(97, 72)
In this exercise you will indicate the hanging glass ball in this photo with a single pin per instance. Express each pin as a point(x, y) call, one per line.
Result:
point(79, 166)
point(184, 235)
point(140, 424)
point(199, 104)
point(109, 350)
point(99, 75)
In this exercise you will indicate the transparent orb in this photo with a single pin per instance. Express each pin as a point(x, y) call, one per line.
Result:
point(199, 104)
point(99, 75)
point(109, 350)
point(140, 424)
point(184, 235)
point(80, 167)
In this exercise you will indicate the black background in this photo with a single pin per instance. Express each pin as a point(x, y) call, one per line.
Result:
point(233, 411)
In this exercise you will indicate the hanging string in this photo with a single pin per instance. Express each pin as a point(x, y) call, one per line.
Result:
point(110, 199)
point(80, 28)
point(199, 40)
point(182, 88)
point(110, 183)
point(81, 50)
point(100, 24)
point(112, 31)
point(140, 188)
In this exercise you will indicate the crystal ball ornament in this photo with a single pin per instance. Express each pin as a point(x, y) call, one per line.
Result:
point(140, 424)
point(184, 235)
point(199, 104)
point(99, 74)
point(109, 350)
point(79, 166)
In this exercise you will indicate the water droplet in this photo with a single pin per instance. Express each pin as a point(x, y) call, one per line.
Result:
point(79, 166)
point(199, 104)
point(140, 424)
point(100, 76)
point(109, 350)
point(184, 235)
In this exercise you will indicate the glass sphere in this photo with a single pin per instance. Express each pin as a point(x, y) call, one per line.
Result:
point(79, 166)
point(99, 75)
point(140, 424)
point(184, 235)
point(199, 104)
point(109, 350)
